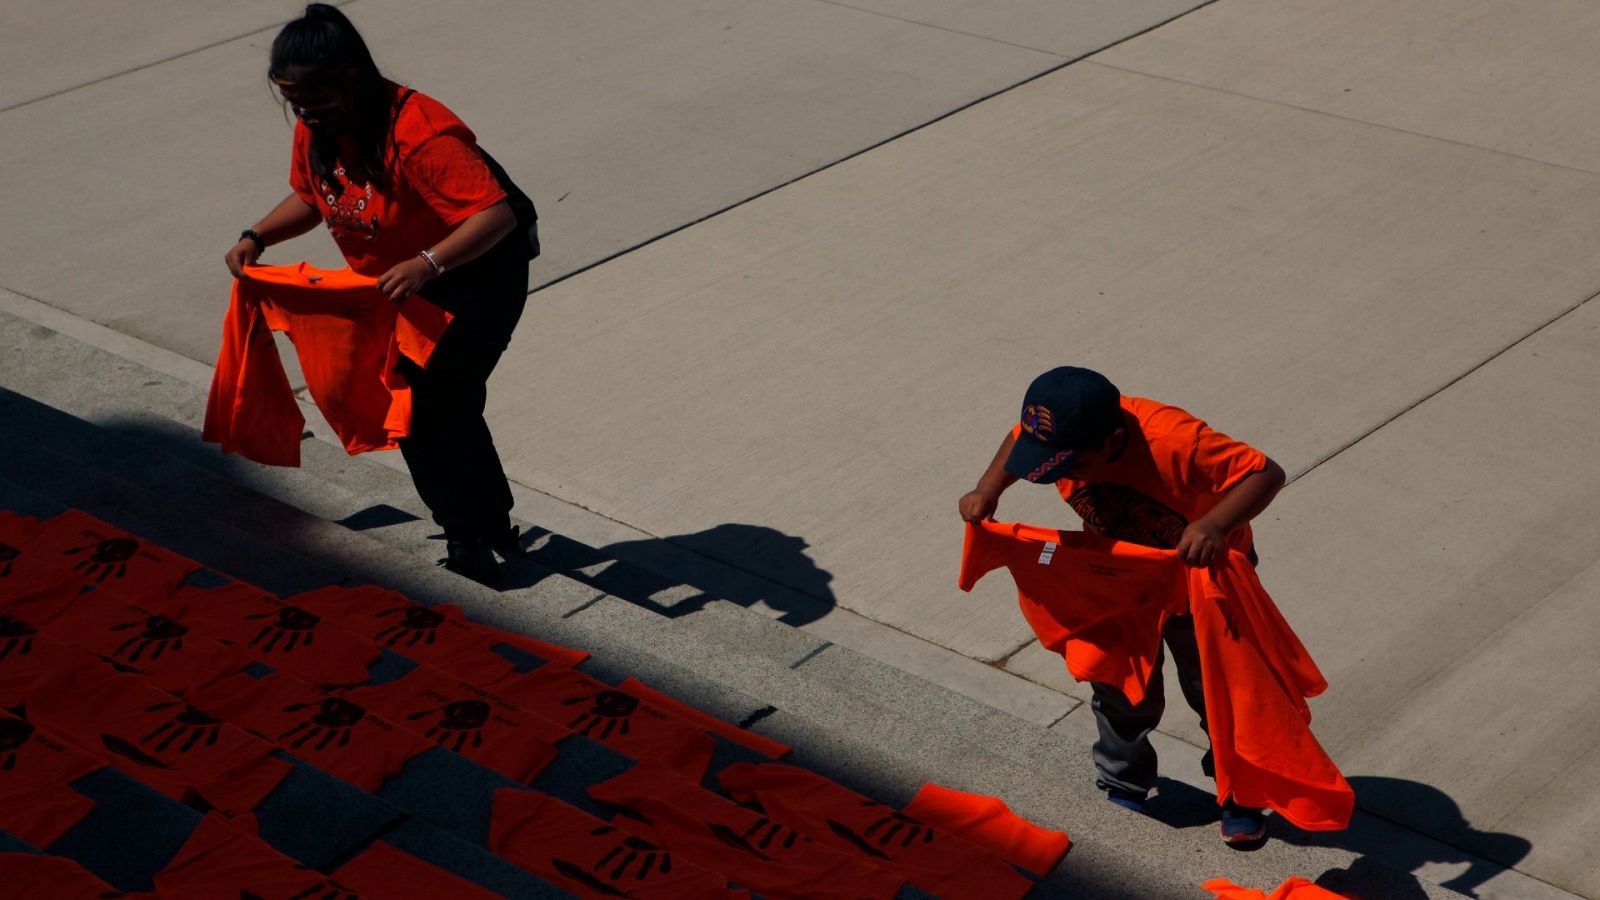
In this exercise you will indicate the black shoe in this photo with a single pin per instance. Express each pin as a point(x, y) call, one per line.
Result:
point(509, 545)
point(473, 559)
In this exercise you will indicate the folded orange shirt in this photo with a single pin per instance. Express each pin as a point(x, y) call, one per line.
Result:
point(597, 861)
point(222, 858)
point(36, 803)
point(932, 858)
point(139, 639)
point(988, 821)
point(440, 635)
point(35, 876)
point(1294, 889)
point(16, 533)
point(610, 716)
point(280, 634)
point(348, 336)
point(1255, 671)
point(752, 849)
point(710, 724)
point(28, 656)
point(76, 547)
point(336, 735)
point(386, 871)
point(156, 738)
point(463, 717)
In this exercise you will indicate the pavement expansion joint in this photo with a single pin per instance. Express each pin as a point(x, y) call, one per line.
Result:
point(1332, 115)
point(1443, 387)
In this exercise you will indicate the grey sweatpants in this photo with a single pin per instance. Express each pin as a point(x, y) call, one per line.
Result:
point(1123, 755)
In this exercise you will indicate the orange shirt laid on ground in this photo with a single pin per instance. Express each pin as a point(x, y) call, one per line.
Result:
point(463, 717)
point(930, 857)
point(592, 858)
point(36, 803)
point(752, 849)
point(1256, 672)
point(282, 635)
point(75, 547)
point(35, 876)
point(336, 735)
point(988, 821)
point(1293, 889)
point(348, 337)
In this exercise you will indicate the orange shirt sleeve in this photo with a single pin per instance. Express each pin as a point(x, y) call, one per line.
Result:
point(1202, 459)
point(452, 178)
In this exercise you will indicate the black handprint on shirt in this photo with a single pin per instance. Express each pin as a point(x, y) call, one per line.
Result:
point(460, 722)
point(417, 625)
point(160, 634)
point(16, 636)
point(884, 831)
point(334, 720)
point(608, 713)
point(8, 553)
point(199, 727)
point(13, 734)
point(291, 625)
point(110, 557)
point(761, 835)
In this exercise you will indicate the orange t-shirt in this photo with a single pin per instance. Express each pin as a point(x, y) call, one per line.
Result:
point(348, 336)
point(1099, 603)
point(36, 768)
point(437, 180)
point(932, 858)
point(1173, 459)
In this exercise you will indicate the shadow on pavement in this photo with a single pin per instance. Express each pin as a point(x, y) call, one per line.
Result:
point(1381, 854)
point(790, 583)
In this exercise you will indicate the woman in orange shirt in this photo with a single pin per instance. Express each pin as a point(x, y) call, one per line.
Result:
point(410, 201)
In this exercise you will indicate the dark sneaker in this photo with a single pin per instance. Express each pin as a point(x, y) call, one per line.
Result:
point(1126, 799)
point(472, 559)
point(509, 545)
point(1242, 825)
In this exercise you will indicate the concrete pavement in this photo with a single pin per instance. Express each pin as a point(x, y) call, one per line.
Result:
point(1359, 235)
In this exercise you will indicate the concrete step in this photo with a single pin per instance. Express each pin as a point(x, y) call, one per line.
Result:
point(866, 724)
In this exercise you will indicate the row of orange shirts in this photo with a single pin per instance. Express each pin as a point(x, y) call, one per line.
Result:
point(181, 716)
point(332, 731)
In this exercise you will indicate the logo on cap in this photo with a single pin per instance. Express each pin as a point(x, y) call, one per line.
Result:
point(1037, 421)
point(1045, 467)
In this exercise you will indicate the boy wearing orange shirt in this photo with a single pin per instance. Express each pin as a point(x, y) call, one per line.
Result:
point(1140, 471)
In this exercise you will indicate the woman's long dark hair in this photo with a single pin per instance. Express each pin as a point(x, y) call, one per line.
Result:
point(324, 43)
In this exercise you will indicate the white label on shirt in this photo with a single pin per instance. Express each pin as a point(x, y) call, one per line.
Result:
point(1049, 551)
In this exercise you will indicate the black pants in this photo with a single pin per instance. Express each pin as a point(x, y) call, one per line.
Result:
point(450, 452)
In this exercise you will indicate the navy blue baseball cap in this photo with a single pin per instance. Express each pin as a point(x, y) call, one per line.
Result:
point(1064, 411)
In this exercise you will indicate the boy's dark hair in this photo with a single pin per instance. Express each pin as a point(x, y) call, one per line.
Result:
point(324, 43)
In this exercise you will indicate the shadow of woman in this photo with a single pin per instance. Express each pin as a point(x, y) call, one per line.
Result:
point(1431, 830)
point(742, 564)
point(679, 574)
